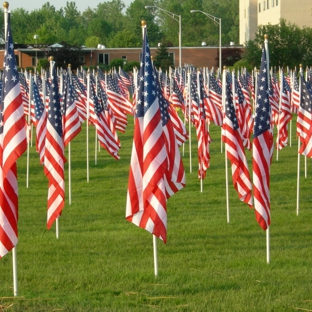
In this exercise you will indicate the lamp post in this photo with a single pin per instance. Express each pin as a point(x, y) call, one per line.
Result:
point(36, 38)
point(218, 22)
point(176, 18)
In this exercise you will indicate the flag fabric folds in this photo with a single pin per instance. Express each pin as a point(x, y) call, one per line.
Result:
point(13, 144)
point(54, 153)
point(147, 193)
point(231, 136)
point(304, 119)
point(262, 148)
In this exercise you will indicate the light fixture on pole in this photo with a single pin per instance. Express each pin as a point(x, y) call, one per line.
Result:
point(218, 22)
point(36, 38)
point(176, 18)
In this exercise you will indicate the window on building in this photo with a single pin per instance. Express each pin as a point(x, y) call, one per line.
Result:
point(273, 2)
point(82, 58)
point(33, 61)
point(103, 58)
point(268, 4)
point(263, 5)
point(171, 56)
point(259, 7)
point(276, 2)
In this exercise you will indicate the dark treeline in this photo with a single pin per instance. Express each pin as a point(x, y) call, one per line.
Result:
point(113, 24)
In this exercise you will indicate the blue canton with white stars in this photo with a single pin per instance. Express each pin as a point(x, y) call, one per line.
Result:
point(263, 113)
point(147, 83)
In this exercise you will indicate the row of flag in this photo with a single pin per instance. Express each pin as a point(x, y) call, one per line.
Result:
point(58, 102)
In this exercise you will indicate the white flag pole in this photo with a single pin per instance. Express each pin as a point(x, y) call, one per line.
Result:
point(88, 116)
point(268, 244)
point(96, 140)
point(28, 126)
point(298, 163)
point(143, 25)
point(305, 157)
point(190, 126)
point(279, 110)
point(69, 150)
point(266, 44)
point(155, 255)
point(14, 258)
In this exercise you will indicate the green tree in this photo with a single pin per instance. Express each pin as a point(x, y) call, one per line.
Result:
point(128, 67)
point(125, 38)
point(135, 13)
point(92, 42)
point(163, 59)
point(67, 54)
point(288, 45)
point(116, 63)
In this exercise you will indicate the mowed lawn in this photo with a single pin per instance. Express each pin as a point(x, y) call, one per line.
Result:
point(102, 262)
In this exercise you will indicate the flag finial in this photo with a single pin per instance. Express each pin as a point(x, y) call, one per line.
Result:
point(51, 58)
point(143, 23)
point(6, 5)
point(265, 37)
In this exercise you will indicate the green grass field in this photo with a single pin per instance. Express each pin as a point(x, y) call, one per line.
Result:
point(101, 262)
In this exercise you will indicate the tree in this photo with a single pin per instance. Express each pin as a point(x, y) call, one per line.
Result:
point(92, 42)
point(288, 45)
point(125, 38)
point(163, 59)
point(116, 63)
point(135, 13)
point(67, 54)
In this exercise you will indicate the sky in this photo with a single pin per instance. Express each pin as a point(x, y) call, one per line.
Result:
point(32, 5)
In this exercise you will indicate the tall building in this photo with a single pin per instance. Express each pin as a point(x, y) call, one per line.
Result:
point(253, 13)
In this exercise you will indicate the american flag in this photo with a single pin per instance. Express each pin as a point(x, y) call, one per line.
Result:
point(262, 149)
point(54, 153)
point(295, 99)
point(72, 124)
point(111, 120)
point(146, 196)
point(176, 97)
point(243, 105)
point(213, 111)
point(12, 145)
point(40, 122)
point(116, 98)
point(120, 114)
point(105, 136)
point(215, 91)
point(80, 94)
point(175, 174)
point(203, 136)
point(285, 114)
point(304, 120)
point(231, 136)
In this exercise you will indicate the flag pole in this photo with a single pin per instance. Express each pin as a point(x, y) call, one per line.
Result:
point(143, 25)
point(69, 150)
point(28, 126)
point(88, 116)
point(96, 141)
point(279, 111)
point(155, 255)
point(298, 163)
point(190, 126)
point(225, 152)
point(266, 44)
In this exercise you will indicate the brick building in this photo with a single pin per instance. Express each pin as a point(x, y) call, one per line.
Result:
point(203, 56)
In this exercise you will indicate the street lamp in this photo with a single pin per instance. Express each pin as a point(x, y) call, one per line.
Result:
point(36, 38)
point(176, 18)
point(218, 22)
